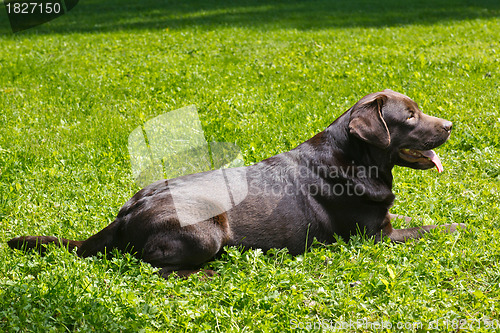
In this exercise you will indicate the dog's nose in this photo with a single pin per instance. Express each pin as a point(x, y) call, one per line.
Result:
point(447, 125)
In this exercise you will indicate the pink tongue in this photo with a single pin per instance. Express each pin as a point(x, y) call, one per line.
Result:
point(434, 159)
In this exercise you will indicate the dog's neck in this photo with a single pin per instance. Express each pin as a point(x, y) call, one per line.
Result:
point(336, 147)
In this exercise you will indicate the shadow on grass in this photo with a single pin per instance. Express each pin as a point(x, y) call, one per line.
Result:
point(112, 15)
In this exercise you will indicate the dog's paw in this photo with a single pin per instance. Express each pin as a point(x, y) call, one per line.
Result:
point(185, 273)
point(453, 227)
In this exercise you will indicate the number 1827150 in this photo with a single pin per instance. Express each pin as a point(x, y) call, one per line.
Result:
point(33, 8)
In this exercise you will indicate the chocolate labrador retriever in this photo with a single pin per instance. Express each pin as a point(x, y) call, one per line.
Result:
point(337, 183)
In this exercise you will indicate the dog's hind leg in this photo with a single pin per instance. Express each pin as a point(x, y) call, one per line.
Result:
point(185, 250)
point(165, 272)
point(180, 253)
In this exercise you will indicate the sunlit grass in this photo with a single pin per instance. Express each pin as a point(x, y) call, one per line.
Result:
point(267, 79)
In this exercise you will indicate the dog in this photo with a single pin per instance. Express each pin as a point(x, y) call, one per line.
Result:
point(337, 183)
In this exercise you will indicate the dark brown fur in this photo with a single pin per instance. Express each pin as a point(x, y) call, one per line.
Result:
point(279, 206)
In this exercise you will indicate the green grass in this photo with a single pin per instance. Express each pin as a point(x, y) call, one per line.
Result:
point(267, 76)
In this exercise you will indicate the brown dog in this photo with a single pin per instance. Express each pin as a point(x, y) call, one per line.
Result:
point(339, 182)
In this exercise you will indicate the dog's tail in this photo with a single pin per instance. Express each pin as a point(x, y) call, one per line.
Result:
point(100, 242)
point(39, 243)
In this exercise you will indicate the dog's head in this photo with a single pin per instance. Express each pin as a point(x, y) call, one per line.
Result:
point(393, 122)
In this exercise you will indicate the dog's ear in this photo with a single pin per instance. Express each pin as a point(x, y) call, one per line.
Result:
point(367, 124)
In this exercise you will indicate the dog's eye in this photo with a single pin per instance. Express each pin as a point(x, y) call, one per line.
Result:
point(410, 117)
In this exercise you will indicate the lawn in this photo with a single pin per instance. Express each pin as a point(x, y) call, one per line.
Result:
point(265, 75)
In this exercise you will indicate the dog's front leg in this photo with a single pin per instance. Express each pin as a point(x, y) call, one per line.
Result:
point(402, 235)
point(395, 216)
